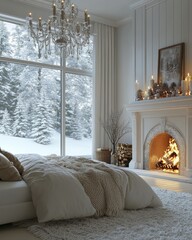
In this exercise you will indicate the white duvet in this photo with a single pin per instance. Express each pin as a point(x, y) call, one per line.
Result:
point(76, 187)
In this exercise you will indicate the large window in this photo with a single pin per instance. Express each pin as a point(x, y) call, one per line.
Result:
point(45, 107)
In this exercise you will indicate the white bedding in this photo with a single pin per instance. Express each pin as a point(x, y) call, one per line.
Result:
point(58, 194)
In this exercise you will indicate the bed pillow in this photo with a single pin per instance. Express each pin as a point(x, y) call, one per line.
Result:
point(13, 159)
point(60, 196)
point(7, 170)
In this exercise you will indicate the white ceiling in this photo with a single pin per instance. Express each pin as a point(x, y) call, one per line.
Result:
point(113, 11)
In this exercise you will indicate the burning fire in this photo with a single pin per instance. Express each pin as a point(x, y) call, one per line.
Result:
point(170, 160)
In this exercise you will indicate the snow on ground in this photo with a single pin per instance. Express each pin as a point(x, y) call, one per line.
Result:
point(18, 145)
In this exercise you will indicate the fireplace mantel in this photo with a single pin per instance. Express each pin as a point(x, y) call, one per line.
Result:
point(169, 103)
point(151, 117)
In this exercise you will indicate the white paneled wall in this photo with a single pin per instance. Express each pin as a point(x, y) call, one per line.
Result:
point(160, 24)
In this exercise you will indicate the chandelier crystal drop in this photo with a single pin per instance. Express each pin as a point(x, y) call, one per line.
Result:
point(62, 28)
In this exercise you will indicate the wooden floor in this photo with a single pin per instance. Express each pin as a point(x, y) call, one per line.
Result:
point(8, 232)
point(169, 184)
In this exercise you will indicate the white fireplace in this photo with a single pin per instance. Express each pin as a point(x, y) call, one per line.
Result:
point(151, 118)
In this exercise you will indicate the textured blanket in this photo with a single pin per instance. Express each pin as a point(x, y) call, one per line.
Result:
point(104, 186)
point(71, 187)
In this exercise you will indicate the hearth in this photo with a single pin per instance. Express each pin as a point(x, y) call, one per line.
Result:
point(164, 154)
point(154, 124)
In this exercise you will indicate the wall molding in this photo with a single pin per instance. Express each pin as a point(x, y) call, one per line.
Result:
point(140, 3)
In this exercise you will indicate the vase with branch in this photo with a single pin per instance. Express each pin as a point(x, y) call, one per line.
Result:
point(115, 130)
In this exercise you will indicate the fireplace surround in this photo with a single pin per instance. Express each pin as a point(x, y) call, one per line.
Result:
point(151, 118)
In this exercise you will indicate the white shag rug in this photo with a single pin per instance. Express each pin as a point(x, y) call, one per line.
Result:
point(172, 221)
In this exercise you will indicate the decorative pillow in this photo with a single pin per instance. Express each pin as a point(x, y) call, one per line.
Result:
point(13, 159)
point(7, 171)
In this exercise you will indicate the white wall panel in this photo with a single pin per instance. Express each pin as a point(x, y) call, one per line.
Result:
point(139, 47)
point(189, 59)
point(162, 25)
point(155, 43)
point(177, 38)
point(167, 22)
point(149, 48)
point(185, 32)
point(170, 22)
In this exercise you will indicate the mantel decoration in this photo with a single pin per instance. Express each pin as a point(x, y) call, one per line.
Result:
point(170, 81)
point(115, 130)
point(62, 28)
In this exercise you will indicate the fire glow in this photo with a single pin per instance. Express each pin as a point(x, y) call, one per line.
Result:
point(169, 162)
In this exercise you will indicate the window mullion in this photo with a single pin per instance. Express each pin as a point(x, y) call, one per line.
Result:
point(29, 63)
point(63, 84)
point(78, 72)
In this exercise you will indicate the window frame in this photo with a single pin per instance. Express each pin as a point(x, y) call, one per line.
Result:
point(62, 68)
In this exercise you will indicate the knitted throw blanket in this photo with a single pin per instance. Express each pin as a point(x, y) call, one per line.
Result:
point(105, 186)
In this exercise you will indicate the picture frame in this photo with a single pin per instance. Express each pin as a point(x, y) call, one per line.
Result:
point(171, 64)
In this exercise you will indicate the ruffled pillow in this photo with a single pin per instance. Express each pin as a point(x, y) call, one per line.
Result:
point(7, 170)
point(14, 160)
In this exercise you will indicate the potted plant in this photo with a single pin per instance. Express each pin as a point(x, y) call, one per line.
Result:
point(115, 130)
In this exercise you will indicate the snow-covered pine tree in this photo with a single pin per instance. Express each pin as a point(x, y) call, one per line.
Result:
point(20, 125)
point(68, 119)
point(76, 124)
point(73, 107)
point(5, 126)
point(79, 105)
point(5, 69)
point(42, 130)
point(51, 85)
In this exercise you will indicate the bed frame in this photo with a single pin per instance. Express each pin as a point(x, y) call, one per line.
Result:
point(15, 202)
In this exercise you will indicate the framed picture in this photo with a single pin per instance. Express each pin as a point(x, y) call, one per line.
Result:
point(171, 64)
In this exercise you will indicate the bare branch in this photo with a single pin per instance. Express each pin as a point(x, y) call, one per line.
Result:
point(115, 129)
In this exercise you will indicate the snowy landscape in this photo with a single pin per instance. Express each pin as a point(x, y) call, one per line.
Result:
point(18, 145)
point(30, 98)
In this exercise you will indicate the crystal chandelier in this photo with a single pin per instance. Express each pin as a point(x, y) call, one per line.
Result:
point(63, 28)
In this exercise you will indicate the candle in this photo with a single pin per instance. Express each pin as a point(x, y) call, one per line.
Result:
point(88, 19)
point(187, 81)
point(186, 86)
point(30, 19)
point(49, 26)
point(190, 87)
point(85, 14)
point(72, 8)
point(62, 14)
point(136, 85)
point(146, 95)
point(183, 87)
point(54, 9)
point(40, 26)
point(62, 4)
point(78, 28)
point(152, 82)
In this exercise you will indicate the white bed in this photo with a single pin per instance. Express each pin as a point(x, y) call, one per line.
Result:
point(56, 189)
point(15, 202)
